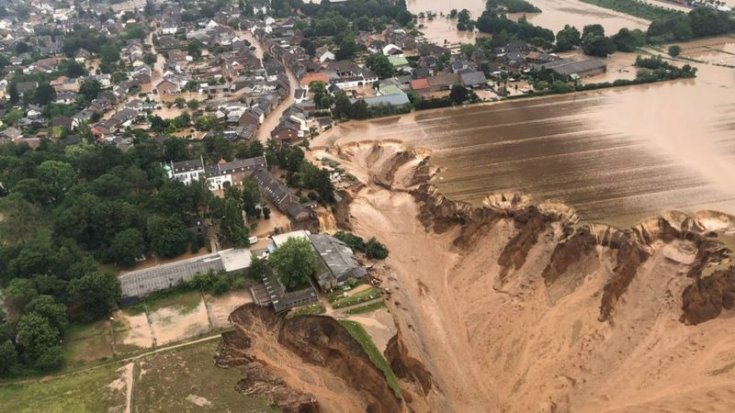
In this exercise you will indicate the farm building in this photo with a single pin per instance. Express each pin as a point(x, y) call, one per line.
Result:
point(571, 69)
point(138, 284)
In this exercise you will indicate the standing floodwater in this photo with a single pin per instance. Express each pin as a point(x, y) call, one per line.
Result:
point(616, 155)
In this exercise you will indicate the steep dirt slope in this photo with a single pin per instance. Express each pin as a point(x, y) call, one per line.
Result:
point(308, 364)
point(515, 307)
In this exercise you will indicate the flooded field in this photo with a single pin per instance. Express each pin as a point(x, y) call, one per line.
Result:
point(616, 155)
point(555, 14)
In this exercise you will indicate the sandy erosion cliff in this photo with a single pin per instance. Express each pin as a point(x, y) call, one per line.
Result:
point(312, 364)
point(517, 306)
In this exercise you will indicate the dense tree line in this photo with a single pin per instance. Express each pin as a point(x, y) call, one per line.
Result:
point(373, 249)
point(494, 22)
point(700, 22)
point(65, 210)
point(301, 173)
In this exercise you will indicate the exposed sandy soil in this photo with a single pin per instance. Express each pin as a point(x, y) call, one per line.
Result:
point(333, 393)
point(137, 331)
point(379, 324)
point(502, 339)
point(221, 307)
point(170, 325)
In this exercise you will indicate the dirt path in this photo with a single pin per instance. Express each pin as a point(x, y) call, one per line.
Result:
point(129, 383)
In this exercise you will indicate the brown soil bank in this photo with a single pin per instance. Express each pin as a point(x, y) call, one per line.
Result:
point(515, 307)
point(307, 364)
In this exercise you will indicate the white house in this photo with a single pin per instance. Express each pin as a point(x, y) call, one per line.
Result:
point(324, 55)
point(185, 171)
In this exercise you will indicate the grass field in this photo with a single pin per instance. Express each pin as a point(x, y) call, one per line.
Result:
point(311, 309)
point(367, 308)
point(82, 392)
point(358, 333)
point(181, 380)
point(357, 298)
point(89, 342)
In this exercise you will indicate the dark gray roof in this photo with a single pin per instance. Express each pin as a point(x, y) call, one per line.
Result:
point(186, 166)
point(473, 78)
point(273, 189)
point(338, 258)
point(238, 165)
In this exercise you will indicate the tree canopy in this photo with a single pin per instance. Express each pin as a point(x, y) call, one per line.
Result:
point(294, 262)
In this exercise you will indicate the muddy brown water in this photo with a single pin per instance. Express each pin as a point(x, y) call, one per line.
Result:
point(616, 155)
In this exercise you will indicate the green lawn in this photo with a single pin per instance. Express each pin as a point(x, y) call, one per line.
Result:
point(87, 342)
point(311, 309)
point(81, 392)
point(358, 333)
point(189, 372)
point(368, 308)
point(361, 297)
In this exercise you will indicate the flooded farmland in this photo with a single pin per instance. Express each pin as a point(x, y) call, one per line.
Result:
point(555, 14)
point(616, 155)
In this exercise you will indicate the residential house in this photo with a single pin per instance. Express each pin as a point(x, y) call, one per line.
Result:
point(186, 171)
point(324, 55)
point(167, 87)
point(280, 196)
point(226, 174)
point(473, 79)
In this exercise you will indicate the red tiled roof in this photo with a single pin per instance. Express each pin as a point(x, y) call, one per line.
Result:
point(314, 77)
point(419, 84)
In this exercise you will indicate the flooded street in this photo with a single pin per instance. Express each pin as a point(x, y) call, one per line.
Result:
point(616, 155)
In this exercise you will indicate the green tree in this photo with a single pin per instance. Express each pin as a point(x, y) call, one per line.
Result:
point(19, 293)
point(74, 69)
point(47, 307)
point(567, 38)
point(258, 268)
point(342, 106)
point(628, 40)
point(674, 50)
point(89, 89)
point(39, 342)
point(96, 294)
point(596, 45)
point(176, 149)
point(294, 262)
point(44, 94)
point(458, 94)
point(8, 357)
point(380, 65)
point(232, 227)
point(596, 29)
point(21, 220)
point(250, 196)
point(375, 250)
point(168, 236)
point(57, 177)
point(322, 99)
point(126, 247)
point(13, 94)
point(347, 49)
